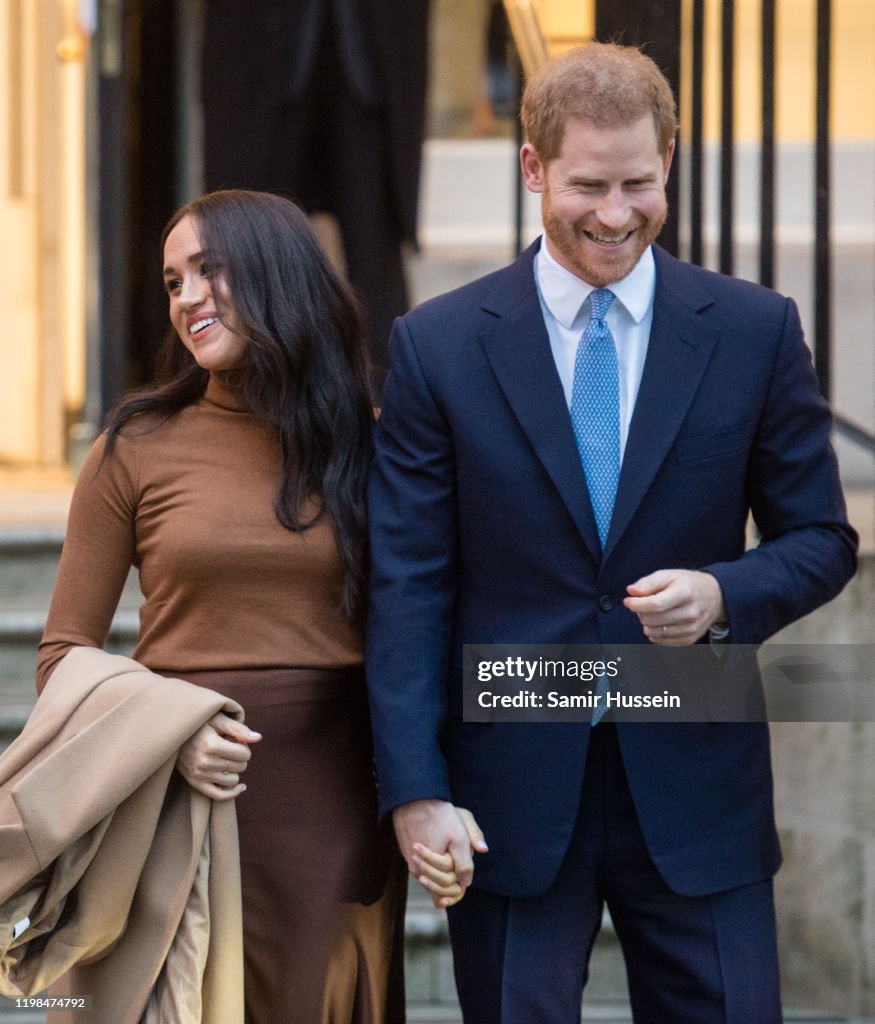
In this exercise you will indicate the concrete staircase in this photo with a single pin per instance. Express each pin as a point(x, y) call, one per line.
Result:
point(431, 994)
point(28, 563)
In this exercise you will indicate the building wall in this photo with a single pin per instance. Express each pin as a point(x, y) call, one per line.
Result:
point(42, 209)
point(825, 803)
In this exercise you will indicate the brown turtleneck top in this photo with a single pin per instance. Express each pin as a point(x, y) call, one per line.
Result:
point(189, 502)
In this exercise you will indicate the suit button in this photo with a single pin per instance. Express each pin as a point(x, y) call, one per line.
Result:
point(606, 603)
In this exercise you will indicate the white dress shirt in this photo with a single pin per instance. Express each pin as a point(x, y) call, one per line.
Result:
point(566, 311)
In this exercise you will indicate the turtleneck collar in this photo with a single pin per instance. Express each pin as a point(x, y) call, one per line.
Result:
point(217, 394)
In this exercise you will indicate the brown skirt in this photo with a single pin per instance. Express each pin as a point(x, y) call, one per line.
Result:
point(323, 885)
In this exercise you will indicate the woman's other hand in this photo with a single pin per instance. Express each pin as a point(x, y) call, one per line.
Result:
point(213, 760)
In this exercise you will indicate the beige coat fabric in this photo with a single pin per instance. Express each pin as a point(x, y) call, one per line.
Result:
point(129, 877)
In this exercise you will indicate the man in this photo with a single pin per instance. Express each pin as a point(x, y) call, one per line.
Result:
point(324, 101)
point(533, 484)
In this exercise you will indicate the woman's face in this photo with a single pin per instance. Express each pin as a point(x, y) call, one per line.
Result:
point(193, 287)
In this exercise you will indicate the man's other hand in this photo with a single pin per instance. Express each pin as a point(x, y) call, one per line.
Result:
point(676, 606)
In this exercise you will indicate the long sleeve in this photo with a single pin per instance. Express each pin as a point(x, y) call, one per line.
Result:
point(413, 544)
point(808, 550)
point(99, 549)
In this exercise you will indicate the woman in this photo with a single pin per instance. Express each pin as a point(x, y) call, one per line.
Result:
point(237, 488)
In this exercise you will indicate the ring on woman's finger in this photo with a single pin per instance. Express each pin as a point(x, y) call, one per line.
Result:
point(664, 631)
point(228, 763)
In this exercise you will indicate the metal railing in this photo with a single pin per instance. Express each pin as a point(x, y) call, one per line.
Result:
point(658, 26)
point(822, 257)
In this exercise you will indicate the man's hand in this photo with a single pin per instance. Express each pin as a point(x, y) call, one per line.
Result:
point(676, 606)
point(435, 827)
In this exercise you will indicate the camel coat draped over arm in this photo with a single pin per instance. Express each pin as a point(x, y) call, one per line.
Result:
point(111, 861)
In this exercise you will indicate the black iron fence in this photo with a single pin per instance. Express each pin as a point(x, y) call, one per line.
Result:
point(665, 28)
point(822, 269)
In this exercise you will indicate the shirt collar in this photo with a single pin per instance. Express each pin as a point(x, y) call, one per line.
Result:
point(564, 293)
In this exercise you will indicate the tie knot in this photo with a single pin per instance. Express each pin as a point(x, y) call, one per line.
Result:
point(600, 301)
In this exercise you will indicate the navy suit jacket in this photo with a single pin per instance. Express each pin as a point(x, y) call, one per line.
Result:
point(482, 532)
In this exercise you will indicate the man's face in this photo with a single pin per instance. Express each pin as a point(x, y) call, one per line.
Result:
point(602, 198)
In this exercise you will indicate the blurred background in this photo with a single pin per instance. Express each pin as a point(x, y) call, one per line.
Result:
point(103, 133)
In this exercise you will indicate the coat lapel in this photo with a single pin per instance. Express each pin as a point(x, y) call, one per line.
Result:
point(678, 351)
point(518, 348)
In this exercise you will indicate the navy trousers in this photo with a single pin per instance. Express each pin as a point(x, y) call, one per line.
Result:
point(689, 960)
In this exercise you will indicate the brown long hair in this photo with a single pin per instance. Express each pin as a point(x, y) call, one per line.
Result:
point(305, 374)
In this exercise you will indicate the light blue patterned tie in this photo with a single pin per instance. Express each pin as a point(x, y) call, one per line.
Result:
point(595, 410)
point(595, 416)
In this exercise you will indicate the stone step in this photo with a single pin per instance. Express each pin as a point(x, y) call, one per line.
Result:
point(431, 993)
point(29, 558)
point(605, 1013)
point(20, 632)
point(601, 1013)
point(10, 1013)
point(429, 962)
point(468, 193)
point(29, 565)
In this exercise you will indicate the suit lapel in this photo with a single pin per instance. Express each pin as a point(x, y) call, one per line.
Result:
point(678, 351)
point(518, 348)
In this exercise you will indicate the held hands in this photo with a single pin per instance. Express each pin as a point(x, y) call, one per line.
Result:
point(437, 841)
point(213, 760)
point(676, 606)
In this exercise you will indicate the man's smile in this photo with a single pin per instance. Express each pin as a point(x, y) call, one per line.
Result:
point(606, 239)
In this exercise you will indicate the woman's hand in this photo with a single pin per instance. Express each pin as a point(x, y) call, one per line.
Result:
point(213, 760)
point(436, 874)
